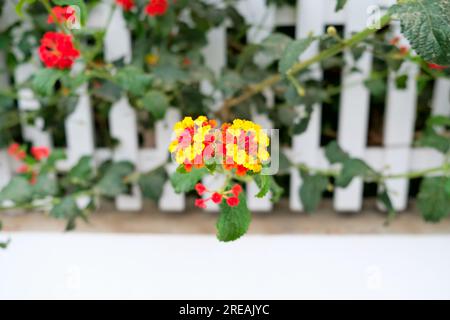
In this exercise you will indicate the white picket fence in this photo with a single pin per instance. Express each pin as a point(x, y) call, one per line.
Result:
point(396, 156)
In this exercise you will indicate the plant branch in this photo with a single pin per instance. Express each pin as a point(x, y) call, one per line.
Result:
point(296, 68)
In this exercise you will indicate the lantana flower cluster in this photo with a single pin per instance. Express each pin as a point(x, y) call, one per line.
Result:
point(28, 160)
point(240, 146)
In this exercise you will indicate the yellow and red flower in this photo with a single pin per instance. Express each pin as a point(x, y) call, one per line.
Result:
point(62, 15)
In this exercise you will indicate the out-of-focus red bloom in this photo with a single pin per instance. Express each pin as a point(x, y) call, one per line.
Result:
point(200, 188)
point(394, 41)
point(15, 151)
point(201, 203)
point(157, 7)
point(435, 66)
point(62, 14)
point(23, 169)
point(33, 177)
point(403, 50)
point(216, 197)
point(186, 62)
point(236, 190)
point(40, 153)
point(127, 5)
point(57, 50)
point(233, 201)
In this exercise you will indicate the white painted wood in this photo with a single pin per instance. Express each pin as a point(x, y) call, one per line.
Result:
point(122, 118)
point(306, 146)
point(31, 132)
point(400, 117)
point(354, 108)
point(170, 201)
point(79, 129)
point(441, 97)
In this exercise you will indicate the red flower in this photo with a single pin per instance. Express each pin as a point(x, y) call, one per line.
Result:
point(186, 62)
point(62, 14)
point(156, 7)
point(241, 170)
point(436, 66)
point(233, 201)
point(16, 152)
point(57, 50)
point(236, 190)
point(33, 178)
point(127, 5)
point(201, 203)
point(403, 50)
point(394, 41)
point(40, 153)
point(216, 197)
point(23, 169)
point(200, 188)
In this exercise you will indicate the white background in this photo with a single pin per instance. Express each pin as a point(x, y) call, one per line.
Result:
point(268, 267)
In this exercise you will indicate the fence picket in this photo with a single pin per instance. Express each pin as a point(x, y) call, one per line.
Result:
point(354, 107)
point(122, 117)
point(305, 147)
point(398, 129)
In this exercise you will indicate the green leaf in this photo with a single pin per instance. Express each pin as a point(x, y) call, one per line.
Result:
point(18, 190)
point(292, 53)
point(274, 46)
point(156, 103)
point(46, 185)
point(55, 156)
point(67, 209)
point(133, 80)
point(433, 140)
point(233, 222)
point(335, 154)
point(353, 168)
point(426, 24)
point(383, 197)
point(184, 182)
point(20, 4)
point(82, 172)
point(152, 183)
point(44, 81)
point(438, 121)
point(78, 5)
point(113, 182)
point(263, 182)
point(311, 190)
point(433, 202)
point(340, 4)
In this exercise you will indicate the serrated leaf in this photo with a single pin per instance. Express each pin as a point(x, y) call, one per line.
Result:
point(44, 81)
point(46, 186)
point(313, 186)
point(78, 5)
point(133, 80)
point(353, 168)
point(233, 222)
point(152, 184)
point(18, 190)
point(340, 4)
point(335, 154)
point(292, 53)
point(82, 171)
point(55, 156)
point(426, 24)
point(156, 103)
point(433, 202)
point(184, 182)
point(113, 182)
point(385, 199)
